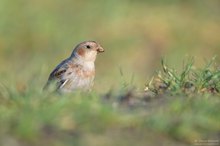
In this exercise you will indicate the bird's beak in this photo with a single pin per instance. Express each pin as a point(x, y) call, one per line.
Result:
point(100, 49)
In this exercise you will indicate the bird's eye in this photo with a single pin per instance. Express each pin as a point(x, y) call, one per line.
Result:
point(88, 47)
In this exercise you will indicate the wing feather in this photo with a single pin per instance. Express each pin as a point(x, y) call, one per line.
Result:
point(56, 76)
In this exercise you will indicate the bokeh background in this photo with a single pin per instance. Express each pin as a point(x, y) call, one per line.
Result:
point(35, 35)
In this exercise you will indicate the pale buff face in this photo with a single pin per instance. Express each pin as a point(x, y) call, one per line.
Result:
point(87, 50)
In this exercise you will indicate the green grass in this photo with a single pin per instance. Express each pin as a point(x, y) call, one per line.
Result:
point(30, 117)
point(181, 100)
point(190, 81)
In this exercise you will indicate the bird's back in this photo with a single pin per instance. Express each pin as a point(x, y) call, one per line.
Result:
point(70, 75)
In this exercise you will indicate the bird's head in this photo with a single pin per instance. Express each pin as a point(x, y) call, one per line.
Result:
point(87, 50)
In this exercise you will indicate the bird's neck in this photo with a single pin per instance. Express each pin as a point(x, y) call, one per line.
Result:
point(87, 64)
point(89, 56)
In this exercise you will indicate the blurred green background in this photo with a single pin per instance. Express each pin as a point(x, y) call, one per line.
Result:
point(36, 35)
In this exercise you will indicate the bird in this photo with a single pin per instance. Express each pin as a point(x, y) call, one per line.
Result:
point(77, 72)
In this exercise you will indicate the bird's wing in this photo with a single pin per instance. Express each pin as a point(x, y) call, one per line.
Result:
point(57, 75)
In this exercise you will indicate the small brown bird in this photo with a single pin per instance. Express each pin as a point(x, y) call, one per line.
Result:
point(78, 71)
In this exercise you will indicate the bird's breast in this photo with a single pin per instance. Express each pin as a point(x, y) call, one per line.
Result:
point(81, 79)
